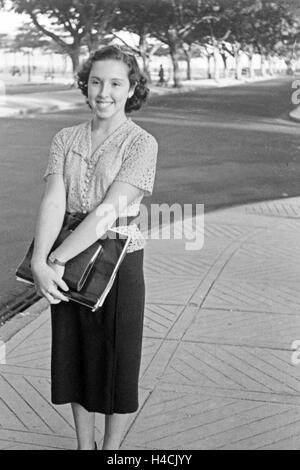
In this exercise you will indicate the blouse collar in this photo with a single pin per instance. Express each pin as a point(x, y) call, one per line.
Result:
point(82, 143)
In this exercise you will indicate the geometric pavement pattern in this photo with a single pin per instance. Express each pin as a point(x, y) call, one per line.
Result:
point(233, 368)
point(281, 208)
point(253, 329)
point(254, 295)
point(159, 319)
point(216, 368)
point(199, 421)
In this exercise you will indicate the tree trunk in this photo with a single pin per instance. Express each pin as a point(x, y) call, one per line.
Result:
point(65, 59)
point(93, 42)
point(28, 67)
point(289, 66)
point(209, 67)
point(251, 65)
point(188, 57)
point(250, 53)
point(224, 58)
point(143, 46)
point(146, 68)
point(174, 56)
point(174, 45)
point(74, 55)
point(263, 66)
point(270, 64)
point(52, 66)
point(217, 69)
point(238, 70)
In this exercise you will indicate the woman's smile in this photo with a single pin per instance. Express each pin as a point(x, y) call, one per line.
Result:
point(103, 104)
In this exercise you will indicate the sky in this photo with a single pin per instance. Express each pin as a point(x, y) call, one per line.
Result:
point(10, 21)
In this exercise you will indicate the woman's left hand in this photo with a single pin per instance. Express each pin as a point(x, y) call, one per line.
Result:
point(59, 270)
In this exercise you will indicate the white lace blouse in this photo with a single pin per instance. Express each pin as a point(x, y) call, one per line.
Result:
point(129, 154)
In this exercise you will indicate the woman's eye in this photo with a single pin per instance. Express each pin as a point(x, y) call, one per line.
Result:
point(116, 84)
point(95, 82)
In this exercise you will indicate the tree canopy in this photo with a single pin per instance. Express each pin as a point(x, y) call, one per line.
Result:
point(222, 27)
point(69, 21)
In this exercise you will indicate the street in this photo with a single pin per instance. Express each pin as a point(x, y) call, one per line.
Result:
point(219, 147)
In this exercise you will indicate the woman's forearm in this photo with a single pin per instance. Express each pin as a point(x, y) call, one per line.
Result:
point(87, 232)
point(48, 225)
point(97, 222)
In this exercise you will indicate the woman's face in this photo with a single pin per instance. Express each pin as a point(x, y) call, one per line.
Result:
point(108, 88)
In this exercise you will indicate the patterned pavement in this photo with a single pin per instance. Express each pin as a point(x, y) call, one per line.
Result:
point(217, 369)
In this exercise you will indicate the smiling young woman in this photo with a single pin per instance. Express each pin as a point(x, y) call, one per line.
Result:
point(108, 90)
point(108, 160)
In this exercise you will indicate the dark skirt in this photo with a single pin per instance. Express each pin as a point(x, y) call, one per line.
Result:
point(96, 356)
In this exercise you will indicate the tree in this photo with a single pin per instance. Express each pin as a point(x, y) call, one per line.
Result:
point(27, 39)
point(261, 26)
point(241, 34)
point(134, 17)
point(214, 28)
point(206, 50)
point(4, 40)
point(288, 47)
point(69, 21)
point(233, 27)
point(172, 22)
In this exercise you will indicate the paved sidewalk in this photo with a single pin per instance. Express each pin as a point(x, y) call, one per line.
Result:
point(33, 103)
point(217, 369)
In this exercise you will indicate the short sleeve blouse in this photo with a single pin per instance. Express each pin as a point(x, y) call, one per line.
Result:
point(129, 155)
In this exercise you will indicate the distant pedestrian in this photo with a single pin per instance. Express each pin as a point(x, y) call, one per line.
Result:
point(161, 75)
point(108, 160)
point(16, 71)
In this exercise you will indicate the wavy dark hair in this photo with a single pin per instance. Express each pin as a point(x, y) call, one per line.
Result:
point(135, 76)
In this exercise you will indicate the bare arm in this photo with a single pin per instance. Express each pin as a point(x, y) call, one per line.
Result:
point(118, 197)
point(48, 225)
point(50, 218)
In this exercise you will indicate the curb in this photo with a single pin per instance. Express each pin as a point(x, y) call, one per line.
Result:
point(48, 109)
point(22, 112)
point(2, 352)
point(295, 114)
point(18, 322)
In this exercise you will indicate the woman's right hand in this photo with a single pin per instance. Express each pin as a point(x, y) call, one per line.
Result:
point(47, 281)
